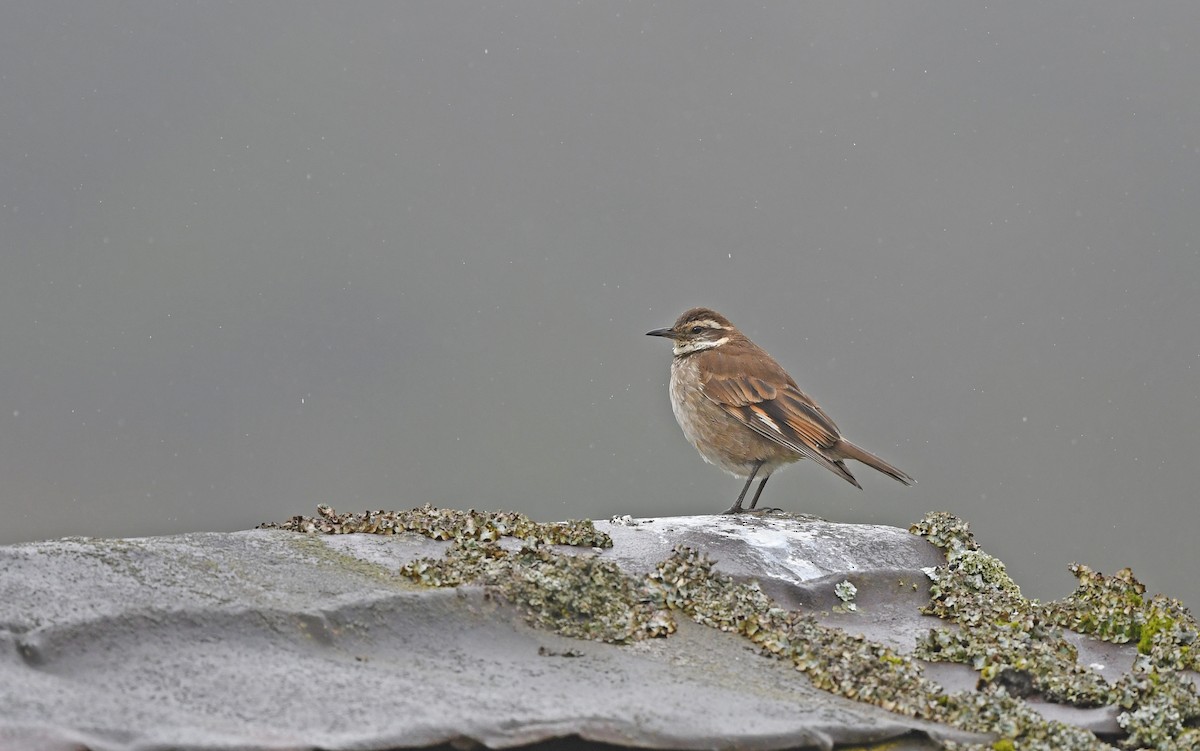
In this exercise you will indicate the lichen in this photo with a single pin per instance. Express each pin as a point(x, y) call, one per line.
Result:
point(1106, 607)
point(585, 597)
point(1162, 706)
point(846, 591)
point(448, 524)
point(578, 596)
point(1003, 635)
point(1017, 645)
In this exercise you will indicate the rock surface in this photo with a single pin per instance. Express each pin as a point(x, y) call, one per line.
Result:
point(270, 639)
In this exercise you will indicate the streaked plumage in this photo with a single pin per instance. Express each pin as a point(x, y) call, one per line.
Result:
point(744, 413)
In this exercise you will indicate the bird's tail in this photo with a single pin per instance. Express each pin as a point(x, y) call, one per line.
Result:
point(847, 450)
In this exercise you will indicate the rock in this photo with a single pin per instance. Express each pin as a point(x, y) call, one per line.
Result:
point(273, 639)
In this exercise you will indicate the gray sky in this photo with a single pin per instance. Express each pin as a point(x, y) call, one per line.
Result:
point(255, 257)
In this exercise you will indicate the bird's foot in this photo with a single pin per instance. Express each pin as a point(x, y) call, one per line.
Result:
point(737, 509)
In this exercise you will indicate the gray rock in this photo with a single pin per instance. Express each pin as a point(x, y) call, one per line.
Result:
point(276, 640)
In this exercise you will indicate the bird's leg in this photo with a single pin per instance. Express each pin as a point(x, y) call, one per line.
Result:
point(736, 508)
point(759, 492)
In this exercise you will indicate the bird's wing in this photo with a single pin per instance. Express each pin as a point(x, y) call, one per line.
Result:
point(770, 404)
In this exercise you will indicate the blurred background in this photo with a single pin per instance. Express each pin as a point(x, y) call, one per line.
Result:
point(259, 257)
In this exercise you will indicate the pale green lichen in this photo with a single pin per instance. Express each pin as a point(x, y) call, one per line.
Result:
point(846, 591)
point(1002, 634)
point(563, 592)
point(448, 524)
point(1017, 645)
point(1162, 706)
point(579, 596)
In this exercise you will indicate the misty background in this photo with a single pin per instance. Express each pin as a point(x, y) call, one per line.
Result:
point(256, 257)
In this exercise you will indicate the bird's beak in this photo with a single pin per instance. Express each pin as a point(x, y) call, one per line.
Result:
point(661, 332)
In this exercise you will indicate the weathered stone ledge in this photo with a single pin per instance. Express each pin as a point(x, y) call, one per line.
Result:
point(269, 639)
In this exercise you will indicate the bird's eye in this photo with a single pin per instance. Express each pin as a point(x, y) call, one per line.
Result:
point(697, 329)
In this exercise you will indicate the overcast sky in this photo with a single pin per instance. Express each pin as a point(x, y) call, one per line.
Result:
point(256, 257)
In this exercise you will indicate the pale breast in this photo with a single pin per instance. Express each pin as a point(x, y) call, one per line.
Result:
point(721, 439)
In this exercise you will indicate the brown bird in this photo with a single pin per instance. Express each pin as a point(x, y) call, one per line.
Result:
point(744, 413)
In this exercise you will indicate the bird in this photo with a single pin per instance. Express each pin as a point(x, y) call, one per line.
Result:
point(744, 413)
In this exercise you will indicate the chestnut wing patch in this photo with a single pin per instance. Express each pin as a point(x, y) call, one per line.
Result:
point(805, 419)
point(739, 392)
point(785, 416)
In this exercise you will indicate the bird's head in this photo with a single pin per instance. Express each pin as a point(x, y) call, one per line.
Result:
point(697, 329)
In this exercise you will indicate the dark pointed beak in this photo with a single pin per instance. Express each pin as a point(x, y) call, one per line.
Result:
point(661, 332)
